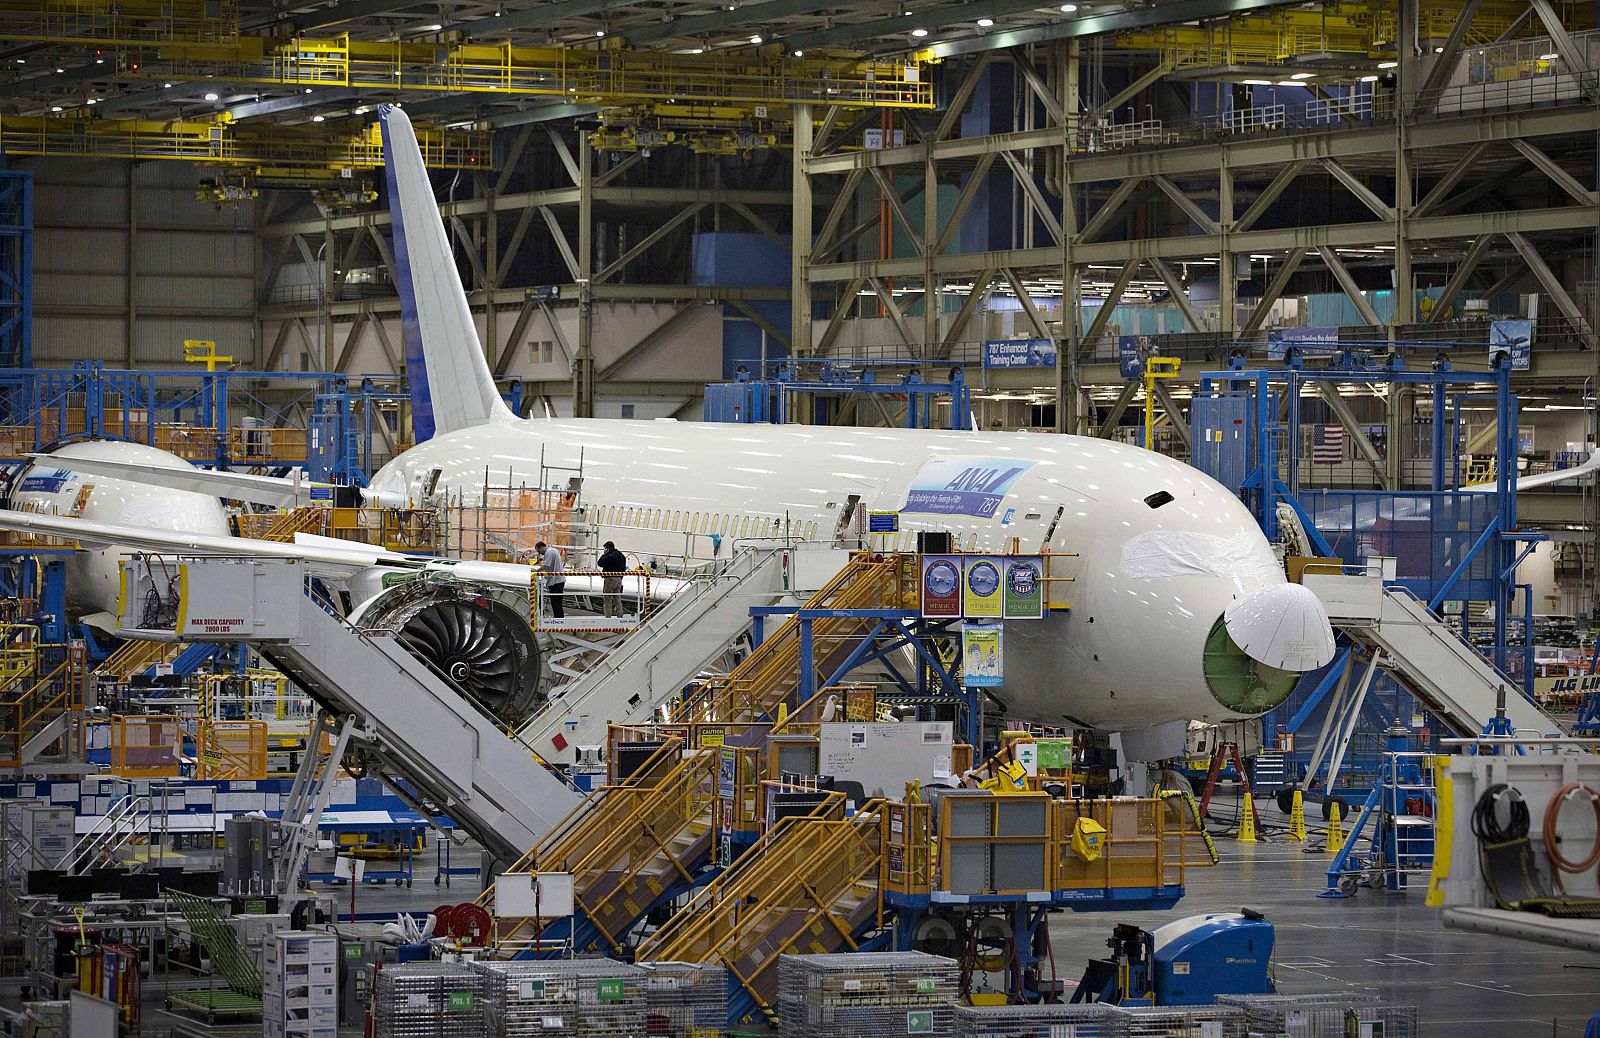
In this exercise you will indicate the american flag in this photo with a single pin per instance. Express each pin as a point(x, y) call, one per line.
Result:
point(1327, 445)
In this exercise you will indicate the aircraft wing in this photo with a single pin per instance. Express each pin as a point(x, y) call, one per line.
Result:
point(323, 560)
point(275, 491)
point(1543, 479)
point(325, 557)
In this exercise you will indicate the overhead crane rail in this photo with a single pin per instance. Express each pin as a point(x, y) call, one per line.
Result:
point(1354, 31)
point(577, 75)
point(226, 144)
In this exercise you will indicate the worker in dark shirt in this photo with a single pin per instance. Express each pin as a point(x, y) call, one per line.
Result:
point(612, 565)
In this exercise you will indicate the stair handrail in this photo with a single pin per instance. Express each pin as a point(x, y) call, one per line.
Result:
point(108, 833)
point(699, 912)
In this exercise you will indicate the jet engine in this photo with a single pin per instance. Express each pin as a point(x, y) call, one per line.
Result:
point(475, 636)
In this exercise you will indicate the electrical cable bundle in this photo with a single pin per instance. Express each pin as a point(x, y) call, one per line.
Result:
point(1486, 823)
point(1552, 839)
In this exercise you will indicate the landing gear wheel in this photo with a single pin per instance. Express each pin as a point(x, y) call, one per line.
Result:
point(1327, 809)
point(1286, 801)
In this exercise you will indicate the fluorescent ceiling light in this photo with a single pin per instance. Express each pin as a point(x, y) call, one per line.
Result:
point(55, 108)
point(1549, 57)
point(1288, 82)
point(317, 118)
point(756, 38)
point(1258, 82)
point(1388, 64)
point(1369, 79)
point(1304, 75)
point(1068, 8)
point(211, 97)
point(919, 33)
point(983, 23)
point(435, 27)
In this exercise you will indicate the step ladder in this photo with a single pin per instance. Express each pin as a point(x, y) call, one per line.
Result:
point(301, 817)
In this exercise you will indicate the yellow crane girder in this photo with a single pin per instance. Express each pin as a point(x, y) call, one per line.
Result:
point(219, 143)
point(1284, 34)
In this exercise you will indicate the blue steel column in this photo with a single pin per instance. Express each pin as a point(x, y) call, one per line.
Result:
point(1438, 435)
point(1505, 464)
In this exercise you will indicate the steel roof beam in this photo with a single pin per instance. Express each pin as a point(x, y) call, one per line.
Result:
point(706, 24)
point(541, 15)
point(1095, 25)
point(347, 11)
point(904, 23)
point(295, 102)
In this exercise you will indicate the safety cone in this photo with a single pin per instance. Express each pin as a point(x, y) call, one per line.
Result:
point(1335, 829)
point(1247, 821)
point(1297, 818)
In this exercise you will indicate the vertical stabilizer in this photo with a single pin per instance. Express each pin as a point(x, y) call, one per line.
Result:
point(451, 387)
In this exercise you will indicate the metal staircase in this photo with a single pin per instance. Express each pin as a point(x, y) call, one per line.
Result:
point(628, 849)
point(772, 674)
point(129, 821)
point(37, 710)
point(810, 886)
point(653, 664)
point(135, 657)
point(1426, 657)
point(412, 721)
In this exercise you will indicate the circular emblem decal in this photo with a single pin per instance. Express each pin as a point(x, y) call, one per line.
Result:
point(942, 579)
point(983, 579)
point(1023, 577)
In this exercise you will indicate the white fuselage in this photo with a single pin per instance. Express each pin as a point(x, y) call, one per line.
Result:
point(50, 486)
point(1148, 582)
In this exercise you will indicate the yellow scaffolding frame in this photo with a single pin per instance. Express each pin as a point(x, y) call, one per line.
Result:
point(226, 144)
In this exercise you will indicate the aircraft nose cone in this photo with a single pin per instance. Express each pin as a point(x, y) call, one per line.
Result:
point(1283, 626)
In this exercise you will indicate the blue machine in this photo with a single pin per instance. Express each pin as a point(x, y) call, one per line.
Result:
point(1188, 962)
point(1222, 953)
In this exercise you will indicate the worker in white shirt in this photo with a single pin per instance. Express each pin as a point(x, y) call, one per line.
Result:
point(555, 580)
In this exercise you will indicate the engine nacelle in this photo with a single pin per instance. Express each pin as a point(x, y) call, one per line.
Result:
point(475, 636)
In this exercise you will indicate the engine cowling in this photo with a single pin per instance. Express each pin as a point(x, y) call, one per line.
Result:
point(476, 637)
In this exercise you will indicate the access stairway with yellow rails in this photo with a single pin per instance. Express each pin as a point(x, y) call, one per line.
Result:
point(41, 699)
point(824, 884)
point(635, 845)
point(811, 886)
point(628, 847)
point(775, 673)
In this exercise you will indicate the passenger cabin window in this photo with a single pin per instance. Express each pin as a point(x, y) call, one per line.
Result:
point(1159, 498)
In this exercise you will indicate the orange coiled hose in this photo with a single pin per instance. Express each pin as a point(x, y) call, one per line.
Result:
point(1553, 812)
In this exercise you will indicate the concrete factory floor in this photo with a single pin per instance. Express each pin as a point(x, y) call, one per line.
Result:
point(1388, 944)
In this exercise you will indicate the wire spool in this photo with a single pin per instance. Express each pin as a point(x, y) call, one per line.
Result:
point(472, 923)
point(1552, 838)
point(1486, 824)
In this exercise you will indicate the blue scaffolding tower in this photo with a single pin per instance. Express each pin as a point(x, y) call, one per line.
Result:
point(1451, 546)
point(773, 397)
point(16, 268)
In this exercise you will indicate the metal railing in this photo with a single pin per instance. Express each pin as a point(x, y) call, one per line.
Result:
point(121, 826)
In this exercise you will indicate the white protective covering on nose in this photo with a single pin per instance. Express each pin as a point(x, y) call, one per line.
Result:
point(1284, 626)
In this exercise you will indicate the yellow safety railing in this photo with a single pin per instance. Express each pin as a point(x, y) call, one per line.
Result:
point(813, 888)
point(33, 705)
point(19, 654)
point(282, 526)
point(231, 750)
point(644, 839)
point(771, 675)
point(132, 657)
